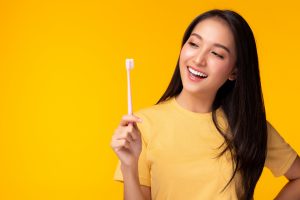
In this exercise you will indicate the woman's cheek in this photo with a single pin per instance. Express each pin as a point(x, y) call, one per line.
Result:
point(220, 65)
point(187, 53)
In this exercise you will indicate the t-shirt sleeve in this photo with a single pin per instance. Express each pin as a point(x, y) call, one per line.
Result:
point(280, 155)
point(143, 164)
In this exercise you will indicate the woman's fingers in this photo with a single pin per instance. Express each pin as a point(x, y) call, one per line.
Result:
point(128, 122)
point(126, 119)
point(124, 135)
point(118, 144)
point(130, 132)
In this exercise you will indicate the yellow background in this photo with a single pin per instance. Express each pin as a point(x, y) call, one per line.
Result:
point(63, 85)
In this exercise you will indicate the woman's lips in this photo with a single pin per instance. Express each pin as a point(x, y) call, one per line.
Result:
point(192, 77)
point(197, 71)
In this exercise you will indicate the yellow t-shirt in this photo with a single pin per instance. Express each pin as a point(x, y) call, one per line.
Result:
point(179, 148)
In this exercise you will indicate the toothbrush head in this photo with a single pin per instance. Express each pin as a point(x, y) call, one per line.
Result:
point(129, 63)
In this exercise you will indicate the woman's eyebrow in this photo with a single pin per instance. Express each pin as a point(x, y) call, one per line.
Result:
point(215, 44)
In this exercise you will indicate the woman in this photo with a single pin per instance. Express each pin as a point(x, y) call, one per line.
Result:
point(207, 137)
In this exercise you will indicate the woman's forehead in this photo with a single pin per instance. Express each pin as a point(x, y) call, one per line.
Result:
point(214, 30)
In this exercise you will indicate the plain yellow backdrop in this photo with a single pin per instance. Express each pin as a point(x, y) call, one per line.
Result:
point(63, 85)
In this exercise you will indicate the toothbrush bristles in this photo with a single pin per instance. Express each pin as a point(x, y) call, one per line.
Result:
point(129, 63)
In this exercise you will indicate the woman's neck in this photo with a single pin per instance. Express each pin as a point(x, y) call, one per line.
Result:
point(195, 103)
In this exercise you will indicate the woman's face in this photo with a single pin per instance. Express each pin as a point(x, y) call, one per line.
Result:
point(208, 57)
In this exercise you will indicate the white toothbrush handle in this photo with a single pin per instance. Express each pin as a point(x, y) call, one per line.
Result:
point(129, 93)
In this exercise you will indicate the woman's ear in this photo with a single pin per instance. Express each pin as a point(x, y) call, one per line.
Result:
point(233, 74)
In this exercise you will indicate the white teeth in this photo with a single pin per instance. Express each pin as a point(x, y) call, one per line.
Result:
point(196, 72)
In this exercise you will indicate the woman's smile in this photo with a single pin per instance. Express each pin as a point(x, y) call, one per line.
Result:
point(195, 75)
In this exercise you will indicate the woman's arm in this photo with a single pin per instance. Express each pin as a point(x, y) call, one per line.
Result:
point(127, 144)
point(291, 191)
point(132, 188)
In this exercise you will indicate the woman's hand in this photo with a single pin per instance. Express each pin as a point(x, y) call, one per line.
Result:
point(126, 141)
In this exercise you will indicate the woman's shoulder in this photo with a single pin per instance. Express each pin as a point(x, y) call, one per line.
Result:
point(155, 110)
point(153, 117)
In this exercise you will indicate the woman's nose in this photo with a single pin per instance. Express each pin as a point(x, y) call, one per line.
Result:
point(200, 58)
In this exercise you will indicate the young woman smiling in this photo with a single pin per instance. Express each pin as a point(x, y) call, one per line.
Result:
point(207, 137)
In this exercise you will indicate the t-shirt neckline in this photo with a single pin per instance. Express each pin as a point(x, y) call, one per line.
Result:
point(191, 113)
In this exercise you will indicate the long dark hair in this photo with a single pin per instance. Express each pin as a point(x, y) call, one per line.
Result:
point(241, 101)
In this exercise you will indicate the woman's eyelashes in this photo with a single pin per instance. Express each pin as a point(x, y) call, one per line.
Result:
point(194, 45)
point(218, 55)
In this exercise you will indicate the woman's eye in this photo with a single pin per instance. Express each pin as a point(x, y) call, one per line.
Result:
point(193, 44)
point(218, 55)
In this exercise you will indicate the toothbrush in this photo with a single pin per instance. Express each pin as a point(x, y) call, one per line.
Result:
point(129, 66)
